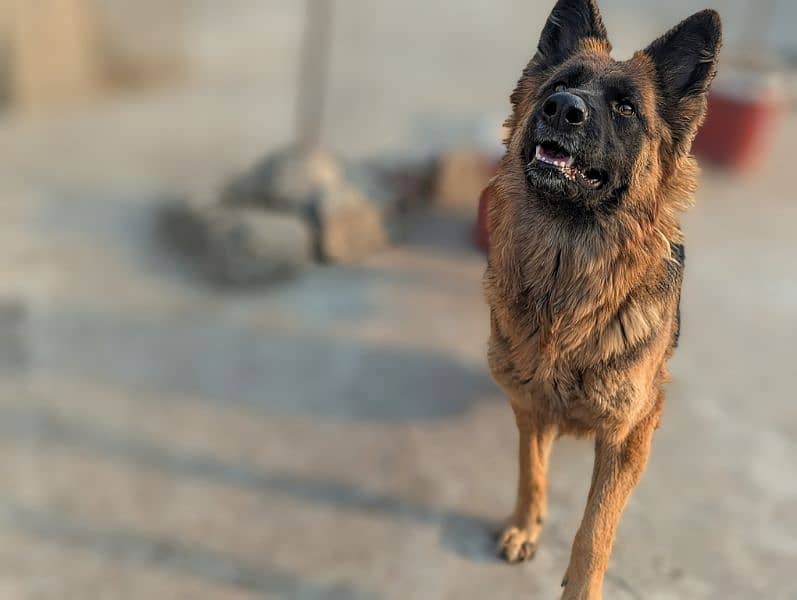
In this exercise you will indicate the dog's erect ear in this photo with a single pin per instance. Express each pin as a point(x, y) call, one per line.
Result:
point(686, 56)
point(686, 61)
point(570, 22)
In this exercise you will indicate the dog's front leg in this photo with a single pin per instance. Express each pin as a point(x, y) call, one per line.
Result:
point(618, 468)
point(518, 541)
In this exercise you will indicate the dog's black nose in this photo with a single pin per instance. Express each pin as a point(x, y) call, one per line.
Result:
point(563, 109)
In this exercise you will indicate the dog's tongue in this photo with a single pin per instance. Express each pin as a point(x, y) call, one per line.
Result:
point(553, 157)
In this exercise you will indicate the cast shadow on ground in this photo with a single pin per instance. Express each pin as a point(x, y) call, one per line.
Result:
point(467, 535)
point(278, 374)
point(166, 554)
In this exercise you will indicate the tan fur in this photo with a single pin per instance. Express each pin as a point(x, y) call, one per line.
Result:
point(563, 309)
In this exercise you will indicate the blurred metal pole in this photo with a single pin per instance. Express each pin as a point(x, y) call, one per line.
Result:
point(313, 70)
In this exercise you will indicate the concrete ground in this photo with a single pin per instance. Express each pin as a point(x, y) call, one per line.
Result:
point(339, 436)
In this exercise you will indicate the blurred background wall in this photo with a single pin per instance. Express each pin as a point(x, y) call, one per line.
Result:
point(215, 82)
point(59, 53)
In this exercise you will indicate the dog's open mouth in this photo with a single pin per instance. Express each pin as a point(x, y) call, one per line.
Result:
point(554, 155)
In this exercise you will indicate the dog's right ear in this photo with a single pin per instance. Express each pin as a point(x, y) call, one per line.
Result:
point(570, 22)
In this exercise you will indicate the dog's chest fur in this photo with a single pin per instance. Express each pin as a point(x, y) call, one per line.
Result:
point(568, 329)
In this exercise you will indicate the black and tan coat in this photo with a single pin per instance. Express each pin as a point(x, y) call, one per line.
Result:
point(584, 282)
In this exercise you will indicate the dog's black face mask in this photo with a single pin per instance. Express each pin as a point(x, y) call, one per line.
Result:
point(591, 116)
point(584, 134)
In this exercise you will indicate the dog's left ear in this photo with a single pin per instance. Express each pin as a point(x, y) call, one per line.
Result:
point(686, 61)
point(570, 22)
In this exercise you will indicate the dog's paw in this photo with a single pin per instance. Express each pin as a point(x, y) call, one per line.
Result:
point(516, 545)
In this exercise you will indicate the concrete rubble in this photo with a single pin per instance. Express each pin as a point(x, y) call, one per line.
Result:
point(295, 207)
point(239, 246)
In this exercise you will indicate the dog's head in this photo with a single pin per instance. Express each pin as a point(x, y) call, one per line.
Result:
point(586, 130)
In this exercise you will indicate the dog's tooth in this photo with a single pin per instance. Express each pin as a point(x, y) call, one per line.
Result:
point(538, 152)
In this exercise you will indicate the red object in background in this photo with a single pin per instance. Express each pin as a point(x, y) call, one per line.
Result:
point(736, 130)
point(480, 233)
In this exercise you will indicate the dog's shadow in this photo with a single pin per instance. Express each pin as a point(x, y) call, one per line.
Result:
point(470, 537)
point(467, 535)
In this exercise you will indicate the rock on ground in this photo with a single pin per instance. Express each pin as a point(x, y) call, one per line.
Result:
point(461, 177)
point(349, 225)
point(238, 245)
point(289, 180)
point(348, 214)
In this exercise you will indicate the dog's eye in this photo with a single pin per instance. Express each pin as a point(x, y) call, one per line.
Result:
point(624, 108)
point(560, 87)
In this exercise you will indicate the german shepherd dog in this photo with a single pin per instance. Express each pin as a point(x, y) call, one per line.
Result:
point(586, 259)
